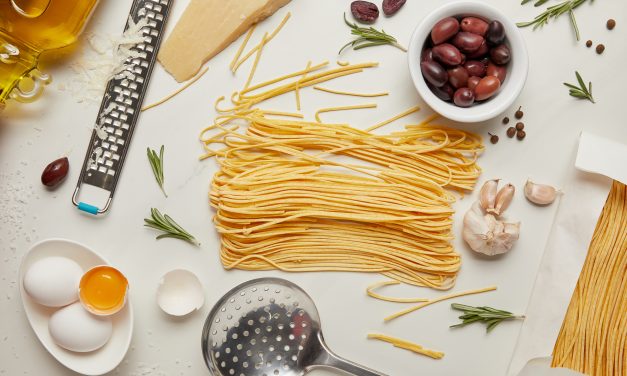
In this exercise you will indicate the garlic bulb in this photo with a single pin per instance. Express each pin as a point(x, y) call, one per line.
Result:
point(540, 194)
point(485, 234)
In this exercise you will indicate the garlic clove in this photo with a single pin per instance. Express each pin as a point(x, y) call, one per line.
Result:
point(487, 195)
point(503, 199)
point(540, 194)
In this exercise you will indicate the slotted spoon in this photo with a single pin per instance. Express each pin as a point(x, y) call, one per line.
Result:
point(268, 327)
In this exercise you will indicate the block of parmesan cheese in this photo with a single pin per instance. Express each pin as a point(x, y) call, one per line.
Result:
point(206, 28)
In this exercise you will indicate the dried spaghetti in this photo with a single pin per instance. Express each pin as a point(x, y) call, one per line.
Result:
point(284, 201)
point(593, 337)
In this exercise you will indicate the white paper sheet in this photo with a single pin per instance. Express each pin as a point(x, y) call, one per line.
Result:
point(598, 161)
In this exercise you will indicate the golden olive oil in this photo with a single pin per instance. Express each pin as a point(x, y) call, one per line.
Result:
point(30, 27)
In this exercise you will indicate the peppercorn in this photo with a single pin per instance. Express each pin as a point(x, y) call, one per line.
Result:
point(520, 126)
point(493, 138)
point(520, 134)
point(600, 49)
point(511, 132)
point(505, 120)
point(519, 114)
point(611, 24)
point(589, 43)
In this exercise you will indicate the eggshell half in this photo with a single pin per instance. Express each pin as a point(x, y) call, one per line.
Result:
point(53, 281)
point(75, 329)
point(180, 293)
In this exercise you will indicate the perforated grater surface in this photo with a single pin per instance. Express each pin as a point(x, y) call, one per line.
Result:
point(121, 105)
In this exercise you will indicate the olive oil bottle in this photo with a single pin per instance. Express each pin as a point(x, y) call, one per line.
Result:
point(28, 28)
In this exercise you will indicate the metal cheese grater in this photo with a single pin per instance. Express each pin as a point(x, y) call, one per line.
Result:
point(120, 107)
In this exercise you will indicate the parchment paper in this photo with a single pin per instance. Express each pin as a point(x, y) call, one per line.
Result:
point(599, 160)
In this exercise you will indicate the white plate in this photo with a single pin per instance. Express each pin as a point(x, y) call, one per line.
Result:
point(96, 362)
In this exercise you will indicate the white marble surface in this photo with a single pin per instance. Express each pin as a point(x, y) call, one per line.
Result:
point(33, 135)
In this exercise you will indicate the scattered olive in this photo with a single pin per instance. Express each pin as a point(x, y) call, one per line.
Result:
point(611, 23)
point(600, 48)
point(505, 120)
point(55, 172)
point(511, 132)
point(520, 134)
point(520, 126)
point(589, 43)
point(493, 138)
point(364, 11)
point(519, 114)
point(392, 6)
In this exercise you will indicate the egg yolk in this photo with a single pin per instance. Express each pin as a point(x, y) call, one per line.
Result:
point(103, 290)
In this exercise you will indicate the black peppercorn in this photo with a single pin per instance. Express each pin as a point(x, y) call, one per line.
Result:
point(511, 132)
point(520, 134)
point(611, 24)
point(520, 126)
point(600, 49)
point(589, 43)
point(493, 138)
point(519, 114)
point(505, 120)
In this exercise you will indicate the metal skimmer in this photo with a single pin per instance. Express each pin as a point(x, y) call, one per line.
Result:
point(121, 105)
point(268, 327)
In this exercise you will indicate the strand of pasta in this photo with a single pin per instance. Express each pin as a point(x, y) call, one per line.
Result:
point(593, 337)
point(409, 111)
point(436, 300)
point(349, 93)
point(175, 93)
point(258, 47)
point(343, 108)
point(297, 89)
point(256, 62)
point(241, 47)
point(371, 293)
point(406, 345)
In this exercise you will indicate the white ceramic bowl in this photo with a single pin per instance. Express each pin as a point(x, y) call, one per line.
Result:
point(516, 69)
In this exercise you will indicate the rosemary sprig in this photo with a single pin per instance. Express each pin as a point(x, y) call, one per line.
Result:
point(156, 162)
point(490, 316)
point(536, 4)
point(581, 92)
point(553, 12)
point(170, 228)
point(369, 37)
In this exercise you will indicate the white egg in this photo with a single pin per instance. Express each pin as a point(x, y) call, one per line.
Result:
point(53, 281)
point(75, 329)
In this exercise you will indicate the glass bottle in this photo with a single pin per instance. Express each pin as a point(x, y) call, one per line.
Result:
point(28, 28)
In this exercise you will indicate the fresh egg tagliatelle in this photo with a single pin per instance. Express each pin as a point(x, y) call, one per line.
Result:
point(75, 329)
point(53, 281)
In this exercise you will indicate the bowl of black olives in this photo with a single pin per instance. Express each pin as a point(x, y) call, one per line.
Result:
point(468, 61)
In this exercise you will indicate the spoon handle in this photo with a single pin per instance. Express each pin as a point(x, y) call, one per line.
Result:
point(326, 358)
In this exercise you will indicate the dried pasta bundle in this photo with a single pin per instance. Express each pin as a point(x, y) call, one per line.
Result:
point(284, 200)
point(593, 337)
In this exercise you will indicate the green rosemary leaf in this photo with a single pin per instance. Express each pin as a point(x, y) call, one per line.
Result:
point(156, 163)
point(490, 316)
point(369, 37)
point(582, 91)
point(168, 226)
point(554, 12)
